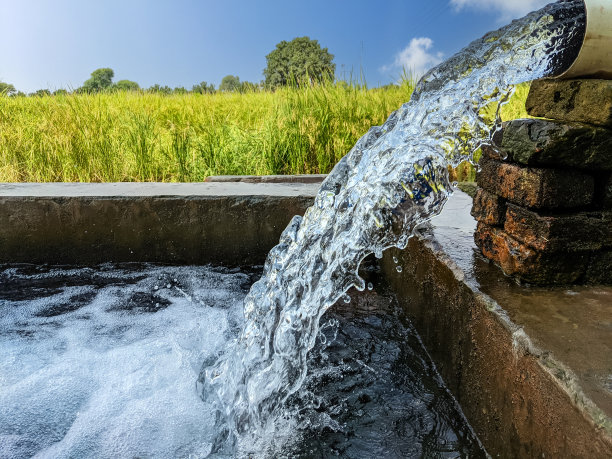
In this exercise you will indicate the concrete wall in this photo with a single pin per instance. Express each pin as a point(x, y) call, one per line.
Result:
point(521, 401)
point(222, 223)
point(527, 365)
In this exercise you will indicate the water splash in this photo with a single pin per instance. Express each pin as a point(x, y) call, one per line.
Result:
point(393, 179)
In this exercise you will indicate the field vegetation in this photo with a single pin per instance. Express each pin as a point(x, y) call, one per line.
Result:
point(145, 136)
point(138, 135)
point(298, 120)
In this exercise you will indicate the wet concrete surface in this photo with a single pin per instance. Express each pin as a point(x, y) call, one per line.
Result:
point(529, 365)
point(573, 323)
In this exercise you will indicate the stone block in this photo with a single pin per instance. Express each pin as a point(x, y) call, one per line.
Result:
point(519, 260)
point(536, 142)
point(488, 208)
point(553, 233)
point(585, 101)
point(537, 188)
point(599, 270)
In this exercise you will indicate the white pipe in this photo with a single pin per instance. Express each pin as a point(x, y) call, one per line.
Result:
point(595, 56)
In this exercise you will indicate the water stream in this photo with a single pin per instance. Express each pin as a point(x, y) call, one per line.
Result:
point(393, 179)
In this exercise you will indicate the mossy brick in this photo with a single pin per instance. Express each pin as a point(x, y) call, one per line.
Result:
point(488, 208)
point(536, 142)
point(519, 260)
point(539, 188)
point(599, 270)
point(584, 100)
point(552, 233)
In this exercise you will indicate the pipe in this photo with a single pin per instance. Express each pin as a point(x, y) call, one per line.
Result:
point(595, 56)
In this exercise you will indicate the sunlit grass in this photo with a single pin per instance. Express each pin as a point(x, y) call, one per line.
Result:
point(138, 136)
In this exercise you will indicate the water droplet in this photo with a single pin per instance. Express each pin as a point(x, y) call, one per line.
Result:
point(370, 286)
point(347, 299)
point(395, 260)
point(378, 253)
point(175, 281)
point(398, 269)
point(156, 287)
point(169, 286)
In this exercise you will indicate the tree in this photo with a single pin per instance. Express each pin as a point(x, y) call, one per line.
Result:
point(126, 85)
point(7, 89)
point(100, 80)
point(60, 92)
point(203, 88)
point(230, 83)
point(299, 60)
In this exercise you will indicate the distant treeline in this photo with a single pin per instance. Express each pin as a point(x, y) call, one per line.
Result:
point(298, 62)
point(102, 81)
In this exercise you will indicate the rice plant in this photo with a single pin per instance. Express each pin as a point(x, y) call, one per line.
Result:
point(141, 136)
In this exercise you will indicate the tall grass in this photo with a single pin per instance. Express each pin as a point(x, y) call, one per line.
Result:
point(138, 136)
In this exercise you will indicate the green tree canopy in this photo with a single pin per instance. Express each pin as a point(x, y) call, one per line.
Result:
point(298, 60)
point(127, 85)
point(7, 89)
point(230, 83)
point(100, 80)
point(203, 88)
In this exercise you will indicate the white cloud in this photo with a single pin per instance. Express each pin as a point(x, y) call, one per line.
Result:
point(415, 58)
point(508, 9)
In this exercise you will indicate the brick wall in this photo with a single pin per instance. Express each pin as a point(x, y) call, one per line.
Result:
point(544, 202)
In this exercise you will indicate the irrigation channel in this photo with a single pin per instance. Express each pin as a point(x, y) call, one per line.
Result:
point(102, 363)
point(393, 179)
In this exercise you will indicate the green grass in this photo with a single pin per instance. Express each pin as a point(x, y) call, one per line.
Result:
point(137, 136)
point(153, 137)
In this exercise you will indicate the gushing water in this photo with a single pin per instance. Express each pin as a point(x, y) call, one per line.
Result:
point(393, 179)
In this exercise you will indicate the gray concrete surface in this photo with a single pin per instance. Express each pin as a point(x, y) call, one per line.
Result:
point(304, 178)
point(124, 189)
point(196, 223)
point(530, 366)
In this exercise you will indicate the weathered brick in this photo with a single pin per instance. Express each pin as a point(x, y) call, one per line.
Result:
point(519, 260)
point(488, 208)
point(536, 187)
point(599, 270)
point(585, 100)
point(552, 233)
point(535, 142)
point(493, 150)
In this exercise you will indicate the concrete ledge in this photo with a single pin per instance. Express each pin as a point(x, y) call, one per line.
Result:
point(198, 223)
point(304, 178)
point(530, 367)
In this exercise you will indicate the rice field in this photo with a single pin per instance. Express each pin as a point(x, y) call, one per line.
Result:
point(140, 136)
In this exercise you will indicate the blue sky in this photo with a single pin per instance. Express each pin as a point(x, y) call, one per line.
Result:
point(55, 44)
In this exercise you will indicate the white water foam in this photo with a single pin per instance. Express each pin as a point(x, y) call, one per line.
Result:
point(116, 376)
